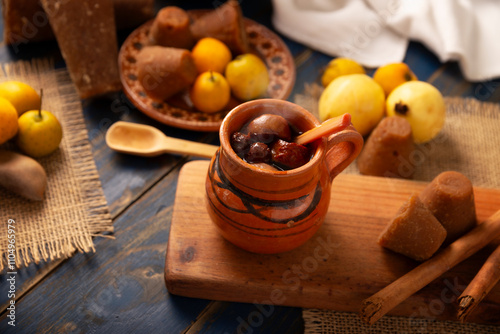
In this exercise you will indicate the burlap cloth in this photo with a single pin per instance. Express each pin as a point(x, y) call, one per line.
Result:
point(469, 143)
point(74, 209)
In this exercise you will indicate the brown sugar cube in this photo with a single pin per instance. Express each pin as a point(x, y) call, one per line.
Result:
point(86, 33)
point(171, 27)
point(25, 20)
point(414, 231)
point(164, 72)
point(225, 23)
point(388, 150)
point(450, 198)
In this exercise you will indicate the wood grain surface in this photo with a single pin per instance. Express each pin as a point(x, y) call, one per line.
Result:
point(336, 269)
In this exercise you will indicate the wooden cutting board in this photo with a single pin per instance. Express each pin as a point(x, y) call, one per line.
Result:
point(339, 267)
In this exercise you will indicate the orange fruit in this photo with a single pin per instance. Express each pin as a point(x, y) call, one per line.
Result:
point(22, 96)
point(338, 67)
point(8, 120)
point(392, 75)
point(210, 92)
point(210, 54)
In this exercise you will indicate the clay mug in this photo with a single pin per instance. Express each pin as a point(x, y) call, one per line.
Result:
point(265, 211)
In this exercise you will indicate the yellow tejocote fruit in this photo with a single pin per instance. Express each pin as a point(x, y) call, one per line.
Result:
point(356, 94)
point(247, 76)
point(40, 133)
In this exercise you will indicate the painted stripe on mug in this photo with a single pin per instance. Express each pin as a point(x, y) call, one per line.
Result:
point(234, 223)
point(251, 202)
point(262, 235)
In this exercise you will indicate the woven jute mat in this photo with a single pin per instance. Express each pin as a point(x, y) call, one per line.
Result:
point(74, 209)
point(468, 143)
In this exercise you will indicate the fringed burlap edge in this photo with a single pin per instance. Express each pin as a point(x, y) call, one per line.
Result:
point(98, 219)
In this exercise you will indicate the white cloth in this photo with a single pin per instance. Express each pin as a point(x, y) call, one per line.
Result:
point(377, 32)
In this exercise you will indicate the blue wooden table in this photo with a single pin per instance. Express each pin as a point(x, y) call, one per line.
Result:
point(120, 288)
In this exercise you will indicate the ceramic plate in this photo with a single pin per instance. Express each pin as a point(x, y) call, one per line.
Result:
point(178, 110)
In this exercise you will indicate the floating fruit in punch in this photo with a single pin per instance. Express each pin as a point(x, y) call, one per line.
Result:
point(268, 139)
point(270, 125)
point(247, 76)
point(210, 92)
point(338, 67)
point(423, 107)
point(8, 120)
point(39, 134)
point(210, 54)
point(392, 75)
point(356, 94)
point(22, 96)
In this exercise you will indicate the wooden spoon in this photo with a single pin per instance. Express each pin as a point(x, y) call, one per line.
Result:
point(147, 141)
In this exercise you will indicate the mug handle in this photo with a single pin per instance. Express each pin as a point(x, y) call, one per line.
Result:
point(341, 150)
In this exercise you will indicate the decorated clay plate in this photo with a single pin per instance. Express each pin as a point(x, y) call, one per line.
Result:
point(178, 110)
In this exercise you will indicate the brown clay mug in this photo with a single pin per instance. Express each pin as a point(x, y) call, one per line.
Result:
point(265, 211)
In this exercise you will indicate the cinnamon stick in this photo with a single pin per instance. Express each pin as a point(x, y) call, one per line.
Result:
point(480, 286)
point(392, 295)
